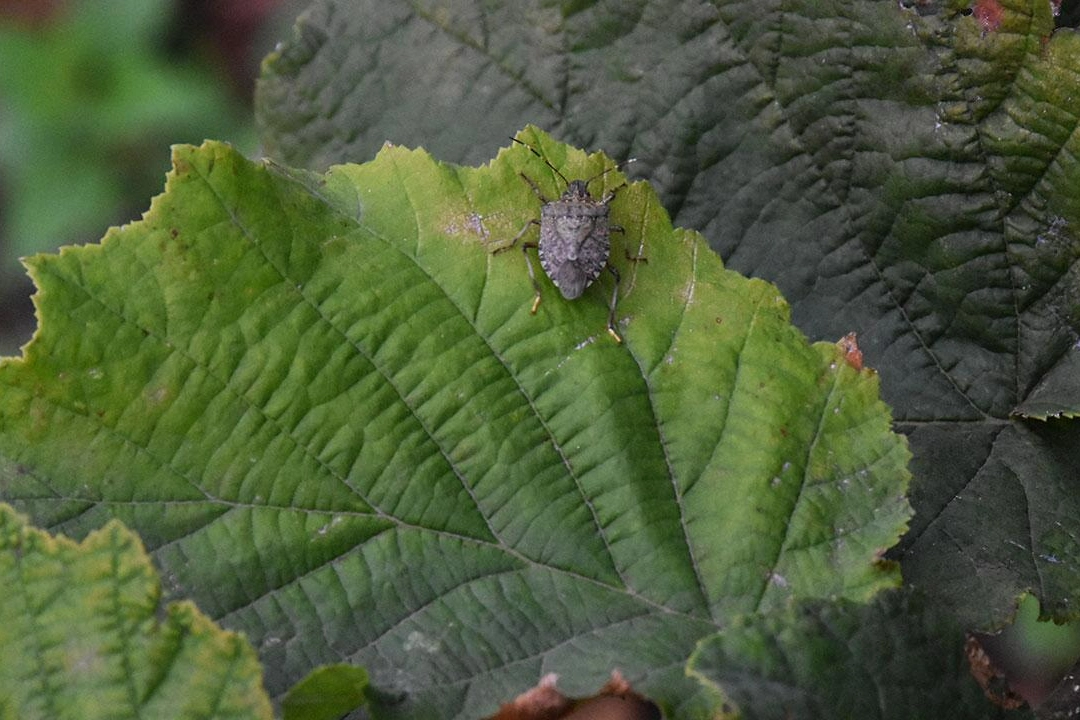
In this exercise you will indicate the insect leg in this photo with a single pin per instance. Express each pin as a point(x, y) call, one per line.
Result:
point(626, 250)
point(517, 237)
point(614, 299)
point(532, 275)
point(528, 263)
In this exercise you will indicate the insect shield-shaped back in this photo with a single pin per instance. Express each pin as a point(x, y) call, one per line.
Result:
point(575, 239)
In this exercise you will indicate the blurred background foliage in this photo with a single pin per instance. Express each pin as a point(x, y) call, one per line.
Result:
point(93, 93)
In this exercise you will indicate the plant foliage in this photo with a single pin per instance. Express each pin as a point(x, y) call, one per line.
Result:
point(323, 402)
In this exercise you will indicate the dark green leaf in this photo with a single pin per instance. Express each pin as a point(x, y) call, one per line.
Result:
point(906, 170)
point(893, 659)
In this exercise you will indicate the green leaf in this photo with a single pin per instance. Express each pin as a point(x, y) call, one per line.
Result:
point(903, 170)
point(326, 407)
point(328, 693)
point(894, 658)
point(84, 636)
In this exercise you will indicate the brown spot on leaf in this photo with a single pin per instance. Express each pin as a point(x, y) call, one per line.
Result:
point(852, 354)
point(989, 13)
point(471, 224)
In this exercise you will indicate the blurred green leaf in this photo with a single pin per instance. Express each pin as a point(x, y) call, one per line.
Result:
point(324, 404)
point(89, 102)
point(83, 636)
point(328, 693)
point(906, 170)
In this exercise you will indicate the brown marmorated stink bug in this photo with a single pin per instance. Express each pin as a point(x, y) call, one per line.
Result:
point(575, 239)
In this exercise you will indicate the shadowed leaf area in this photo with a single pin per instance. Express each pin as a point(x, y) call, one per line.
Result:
point(904, 170)
point(826, 660)
point(325, 405)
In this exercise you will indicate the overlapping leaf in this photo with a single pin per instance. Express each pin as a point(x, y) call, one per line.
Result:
point(893, 658)
point(905, 170)
point(324, 404)
point(80, 638)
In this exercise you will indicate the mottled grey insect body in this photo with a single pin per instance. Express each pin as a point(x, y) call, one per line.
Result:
point(575, 240)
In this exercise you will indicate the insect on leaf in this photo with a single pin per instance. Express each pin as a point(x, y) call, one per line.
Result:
point(324, 403)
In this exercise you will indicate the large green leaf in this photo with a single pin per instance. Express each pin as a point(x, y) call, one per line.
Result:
point(324, 404)
point(80, 638)
point(906, 170)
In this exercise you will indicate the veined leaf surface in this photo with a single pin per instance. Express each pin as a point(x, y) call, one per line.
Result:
point(324, 404)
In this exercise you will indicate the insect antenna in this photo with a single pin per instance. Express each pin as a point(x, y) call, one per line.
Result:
point(554, 169)
point(546, 161)
point(602, 173)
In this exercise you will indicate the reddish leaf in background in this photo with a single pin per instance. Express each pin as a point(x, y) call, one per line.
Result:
point(539, 703)
point(615, 701)
point(34, 13)
point(989, 677)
